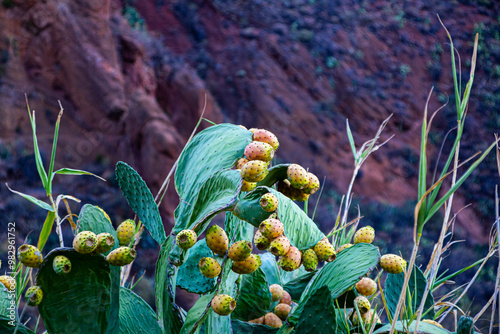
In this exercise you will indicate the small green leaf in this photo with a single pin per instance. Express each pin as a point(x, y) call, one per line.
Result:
point(136, 316)
point(254, 299)
point(46, 229)
point(32, 199)
point(70, 171)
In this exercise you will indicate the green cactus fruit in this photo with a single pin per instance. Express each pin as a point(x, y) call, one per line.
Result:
point(272, 320)
point(285, 188)
point(254, 171)
point(392, 263)
point(8, 281)
point(257, 150)
point(30, 256)
point(282, 311)
point(260, 241)
point(269, 202)
point(209, 267)
point(362, 303)
point(259, 321)
point(34, 296)
point(465, 325)
point(432, 322)
point(105, 242)
point(287, 299)
point(365, 234)
point(271, 228)
point(186, 239)
point(240, 250)
point(277, 292)
point(312, 185)
point(266, 137)
point(309, 260)
point(368, 317)
point(61, 265)
point(325, 251)
point(85, 242)
point(341, 248)
point(216, 239)
point(279, 246)
point(223, 304)
point(247, 266)
point(125, 232)
point(121, 256)
point(297, 176)
point(298, 195)
point(248, 186)
point(366, 287)
point(291, 260)
point(241, 162)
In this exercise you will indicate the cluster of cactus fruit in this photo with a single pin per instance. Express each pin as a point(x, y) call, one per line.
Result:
point(261, 205)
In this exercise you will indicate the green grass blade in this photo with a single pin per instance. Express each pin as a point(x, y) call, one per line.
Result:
point(442, 280)
point(38, 157)
point(54, 146)
point(46, 229)
point(32, 199)
point(351, 140)
point(71, 171)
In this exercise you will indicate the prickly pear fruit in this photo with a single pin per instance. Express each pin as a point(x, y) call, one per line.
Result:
point(125, 232)
point(297, 176)
point(279, 246)
point(254, 171)
point(247, 266)
point(277, 292)
point(29, 255)
point(209, 267)
point(85, 242)
point(8, 281)
point(282, 311)
point(392, 263)
point(368, 317)
point(61, 265)
point(223, 304)
point(366, 287)
point(287, 299)
point(259, 321)
point(260, 241)
point(217, 240)
point(309, 260)
point(341, 248)
point(241, 162)
point(269, 202)
point(34, 296)
point(240, 250)
point(325, 251)
point(298, 195)
point(271, 228)
point(291, 260)
point(363, 304)
point(266, 137)
point(105, 241)
point(273, 215)
point(186, 239)
point(257, 150)
point(121, 256)
point(365, 234)
point(312, 185)
point(248, 186)
point(432, 322)
point(272, 320)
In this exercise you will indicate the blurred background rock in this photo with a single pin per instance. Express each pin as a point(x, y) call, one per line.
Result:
point(133, 76)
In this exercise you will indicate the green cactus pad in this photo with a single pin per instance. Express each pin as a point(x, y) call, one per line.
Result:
point(423, 328)
point(169, 315)
point(340, 274)
point(416, 286)
point(88, 288)
point(218, 193)
point(248, 208)
point(5, 299)
point(276, 173)
point(141, 200)
point(190, 277)
point(297, 286)
point(319, 315)
point(237, 229)
point(7, 328)
point(211, 150)
point(92, 218)
point(249, 328)
point(254, 300)
point(270, 268)
point(136, 316)
point(198, 313)
point(465, 325)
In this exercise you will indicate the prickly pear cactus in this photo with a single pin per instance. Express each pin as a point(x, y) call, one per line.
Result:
point(189, 277)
